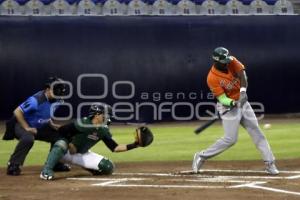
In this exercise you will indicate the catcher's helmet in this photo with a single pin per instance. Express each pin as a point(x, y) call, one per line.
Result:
point(221, 55)
point(59, 86)
point(96, 109)
point(100, 108)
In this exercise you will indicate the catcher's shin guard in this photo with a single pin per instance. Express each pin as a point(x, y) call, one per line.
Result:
point(57, 152)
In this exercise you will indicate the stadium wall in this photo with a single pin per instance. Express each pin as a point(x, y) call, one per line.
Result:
point(159, 55)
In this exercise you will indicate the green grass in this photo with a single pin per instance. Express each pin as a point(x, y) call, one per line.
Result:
point(179, 143)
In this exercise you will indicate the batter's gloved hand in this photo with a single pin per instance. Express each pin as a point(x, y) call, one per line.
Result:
point(243, 99)
point(143, 136)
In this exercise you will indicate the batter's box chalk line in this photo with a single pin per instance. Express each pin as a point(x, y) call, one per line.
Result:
point(237, 171)
point(235, 182)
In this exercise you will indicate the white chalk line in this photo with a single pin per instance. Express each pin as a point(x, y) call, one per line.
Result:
point(111, 182)
point(115, 182)
point(247, 185)
point(239, 171)
point(293, 177)
point(220, 181)
point(273, 189)
point(253, 185)
point(169, 186)
point(108, 183)
point(147, 174)
point(248, 177)
point(107, 179)
point(199, 175)
point(189, 172)
point(207, 177)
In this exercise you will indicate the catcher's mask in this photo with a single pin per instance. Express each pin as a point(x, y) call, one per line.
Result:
point(58, 86)
point(101, 108)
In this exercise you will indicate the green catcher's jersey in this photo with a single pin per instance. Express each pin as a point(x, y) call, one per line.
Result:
point(88, 135)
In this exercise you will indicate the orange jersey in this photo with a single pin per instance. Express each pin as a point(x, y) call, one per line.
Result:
point(228, 83)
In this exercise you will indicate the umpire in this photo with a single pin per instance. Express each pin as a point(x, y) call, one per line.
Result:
point(31, 121)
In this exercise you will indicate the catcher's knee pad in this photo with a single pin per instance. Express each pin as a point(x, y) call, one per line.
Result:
point(62, 144)
point(105, 166)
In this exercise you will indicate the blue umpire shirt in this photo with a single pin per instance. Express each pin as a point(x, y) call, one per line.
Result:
point(36, 110)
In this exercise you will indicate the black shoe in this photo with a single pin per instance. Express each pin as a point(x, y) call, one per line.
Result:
point(13, 170)
point(61, 167)
point(94, 172)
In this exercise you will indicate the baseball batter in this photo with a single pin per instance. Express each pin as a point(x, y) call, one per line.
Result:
point(228, 81)
point(79, 136)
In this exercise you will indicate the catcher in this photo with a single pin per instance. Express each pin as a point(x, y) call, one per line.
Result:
point(81, 135)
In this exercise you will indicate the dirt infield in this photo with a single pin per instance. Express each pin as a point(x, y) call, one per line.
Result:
point(160, 180)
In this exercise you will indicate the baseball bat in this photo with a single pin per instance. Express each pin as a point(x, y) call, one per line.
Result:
point(205, 126)
point(210, 122)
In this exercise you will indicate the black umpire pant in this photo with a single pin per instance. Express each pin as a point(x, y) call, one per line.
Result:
point(26, 141)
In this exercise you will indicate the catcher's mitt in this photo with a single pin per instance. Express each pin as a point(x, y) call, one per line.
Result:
point(144, 136)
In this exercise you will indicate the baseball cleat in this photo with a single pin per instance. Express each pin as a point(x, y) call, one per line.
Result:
point(197, 162)
point(47, 175)
point(61, 167)
point(13, 169)
point(271, 168)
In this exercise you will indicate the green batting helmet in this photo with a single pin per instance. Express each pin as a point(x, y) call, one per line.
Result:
point(221, 55)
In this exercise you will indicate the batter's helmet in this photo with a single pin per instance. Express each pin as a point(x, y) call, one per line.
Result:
point(221, 55)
